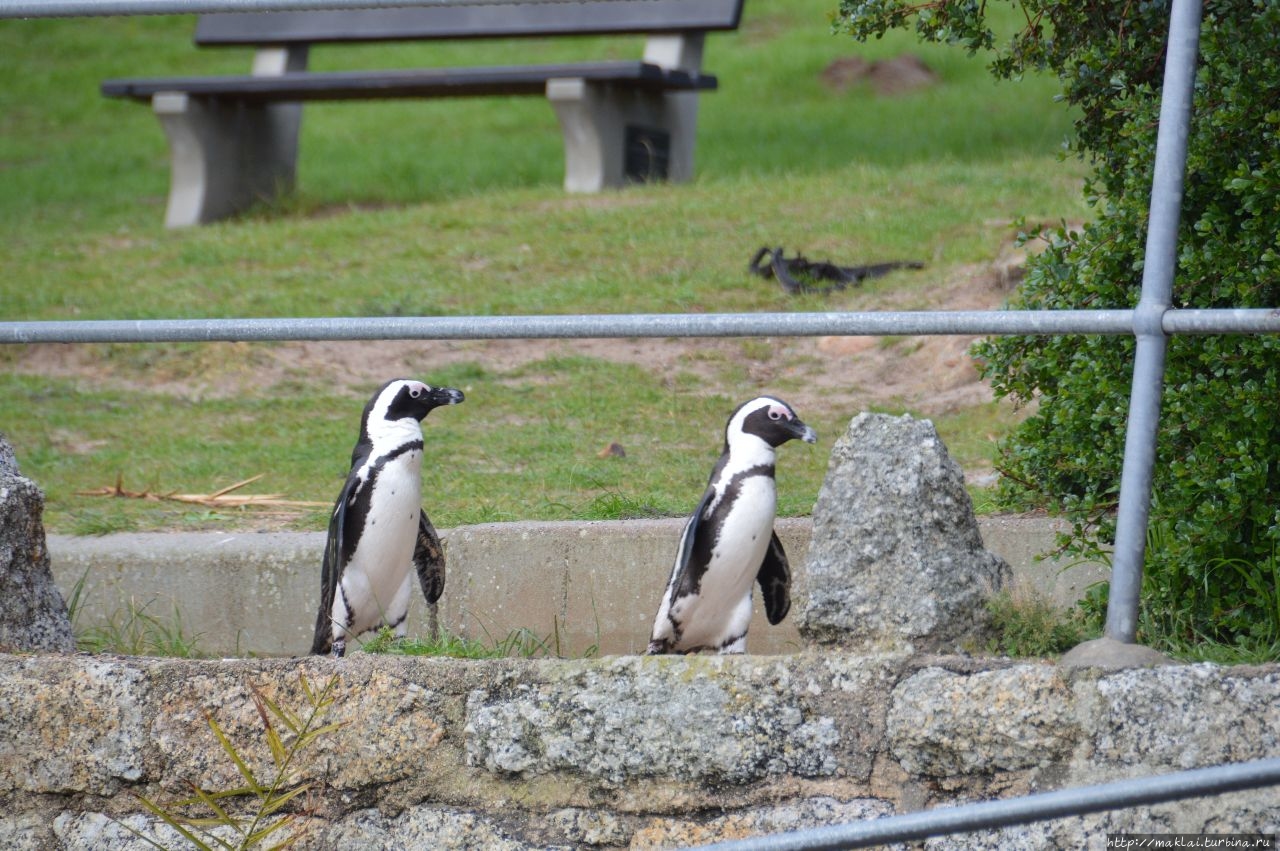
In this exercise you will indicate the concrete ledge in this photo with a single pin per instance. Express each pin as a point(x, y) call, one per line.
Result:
point(583, 584)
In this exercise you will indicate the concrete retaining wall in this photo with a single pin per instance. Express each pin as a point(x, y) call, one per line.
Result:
point(584, 584)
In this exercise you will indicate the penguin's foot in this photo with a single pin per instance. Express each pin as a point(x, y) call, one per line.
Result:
point(658, 647)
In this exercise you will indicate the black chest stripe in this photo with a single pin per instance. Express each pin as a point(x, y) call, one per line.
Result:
point(361, 499)
point(710, 525)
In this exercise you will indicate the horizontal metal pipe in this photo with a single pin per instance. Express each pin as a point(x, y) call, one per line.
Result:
point(1223, 321)
point(988, 815)
point(573, 326)
point(1241, 321)
point(975, 322)
point(100, 8)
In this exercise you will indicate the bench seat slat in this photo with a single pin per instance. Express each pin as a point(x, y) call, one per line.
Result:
point(469, 20)
point(420, 82)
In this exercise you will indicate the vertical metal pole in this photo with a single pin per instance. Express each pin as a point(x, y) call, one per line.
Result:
point(1157, 290)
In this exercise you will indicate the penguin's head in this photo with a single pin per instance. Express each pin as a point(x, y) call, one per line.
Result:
point(768, 419)
point(404, 401)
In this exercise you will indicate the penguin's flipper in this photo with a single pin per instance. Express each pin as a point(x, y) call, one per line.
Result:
point(695, 551)
point(428, 560)
point(775, 581)
point(330, 574)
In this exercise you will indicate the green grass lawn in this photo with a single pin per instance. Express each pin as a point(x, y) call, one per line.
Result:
point(455, 208)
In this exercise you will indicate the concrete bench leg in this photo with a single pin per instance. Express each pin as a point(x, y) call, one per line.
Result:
point(617, 134)
point(225, 156)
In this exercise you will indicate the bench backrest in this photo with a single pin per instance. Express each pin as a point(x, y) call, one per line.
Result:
point(469, 19)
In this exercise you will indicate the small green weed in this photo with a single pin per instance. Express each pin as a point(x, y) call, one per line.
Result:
point(524, 643)
point(1227, 654)
point(75, 602)
point(263, 821)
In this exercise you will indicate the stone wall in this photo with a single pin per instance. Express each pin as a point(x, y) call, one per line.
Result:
point(625, 751)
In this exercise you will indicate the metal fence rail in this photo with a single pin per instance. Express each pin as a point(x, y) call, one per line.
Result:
point(989, 815)
point(581, 326)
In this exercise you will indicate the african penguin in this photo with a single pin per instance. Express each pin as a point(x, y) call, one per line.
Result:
point(729, 543)
point(378, 529)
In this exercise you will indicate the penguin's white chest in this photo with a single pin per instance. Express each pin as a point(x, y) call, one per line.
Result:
point(382, 560)
point(722, 606)
point(744, 536)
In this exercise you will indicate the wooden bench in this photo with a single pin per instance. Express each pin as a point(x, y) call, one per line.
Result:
point(233, 140)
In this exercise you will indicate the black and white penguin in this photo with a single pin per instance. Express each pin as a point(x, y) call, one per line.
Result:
point(378, 529)
point(729, 543)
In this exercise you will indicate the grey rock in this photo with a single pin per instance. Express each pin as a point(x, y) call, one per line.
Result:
point(95, 831)
point(802, 814)
point(1086, 834)
point(589, 827)
point(896, 560)
point(421, 828)
point(1182, 716)
point(71, 724)
point(841, 681)
point(685, 718)
point(8, 460)
point(1016, 718)
point(25, 832)
point(33, 615)
point(1244, 812)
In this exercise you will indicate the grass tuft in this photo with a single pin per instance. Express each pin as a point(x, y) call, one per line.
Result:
point(132, 630)
point(522, 643)
point(1028, 625)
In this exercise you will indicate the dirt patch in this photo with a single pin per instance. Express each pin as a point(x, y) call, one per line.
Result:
point(887, 77)
point(930, 375)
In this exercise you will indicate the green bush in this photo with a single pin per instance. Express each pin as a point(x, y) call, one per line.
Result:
point(1212, 572)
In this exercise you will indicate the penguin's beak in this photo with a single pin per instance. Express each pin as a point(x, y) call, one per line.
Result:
point(803, 432)
point(441, 396)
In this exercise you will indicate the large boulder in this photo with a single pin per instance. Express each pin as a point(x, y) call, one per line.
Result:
point(896, 561)
point(33, 616)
